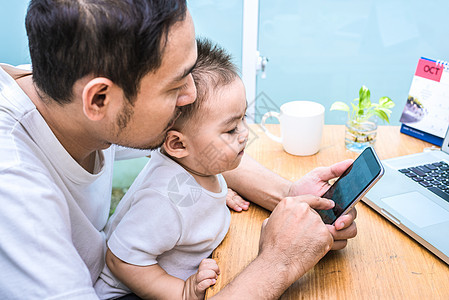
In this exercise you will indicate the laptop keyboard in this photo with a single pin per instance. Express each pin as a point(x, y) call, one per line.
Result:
point(434, 177)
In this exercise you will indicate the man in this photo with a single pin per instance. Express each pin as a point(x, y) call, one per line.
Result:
point(116, 72)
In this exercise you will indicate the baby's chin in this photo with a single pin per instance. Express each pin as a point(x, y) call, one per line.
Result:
point(236, 163)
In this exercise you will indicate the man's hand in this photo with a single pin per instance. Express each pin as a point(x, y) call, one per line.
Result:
point(316, 183)
point(295, 237)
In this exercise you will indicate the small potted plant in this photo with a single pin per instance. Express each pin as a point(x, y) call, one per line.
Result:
point(361, 127)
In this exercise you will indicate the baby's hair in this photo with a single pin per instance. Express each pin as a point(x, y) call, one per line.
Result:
point(213, 70)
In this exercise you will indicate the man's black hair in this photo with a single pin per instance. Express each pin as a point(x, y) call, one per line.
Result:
point(117, 39)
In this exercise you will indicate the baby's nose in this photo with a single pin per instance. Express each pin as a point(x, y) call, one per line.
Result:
point(243, 139)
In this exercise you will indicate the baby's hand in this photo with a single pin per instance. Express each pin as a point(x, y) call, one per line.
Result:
point(234, 201)
point(196, 285)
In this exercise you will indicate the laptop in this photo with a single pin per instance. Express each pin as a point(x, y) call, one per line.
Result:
point(413, 194)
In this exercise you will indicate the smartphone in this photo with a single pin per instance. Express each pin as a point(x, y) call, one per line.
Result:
point(352, 185)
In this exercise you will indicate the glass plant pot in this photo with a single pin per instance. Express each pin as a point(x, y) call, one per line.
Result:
point(360, 135)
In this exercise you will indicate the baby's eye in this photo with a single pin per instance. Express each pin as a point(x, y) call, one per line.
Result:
point(232, 131)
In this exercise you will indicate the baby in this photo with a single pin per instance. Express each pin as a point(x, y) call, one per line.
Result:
point(174, 215)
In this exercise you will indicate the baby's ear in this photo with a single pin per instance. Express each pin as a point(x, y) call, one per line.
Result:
point(175, 144)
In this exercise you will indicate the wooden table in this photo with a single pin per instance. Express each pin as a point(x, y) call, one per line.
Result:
point(382, 262)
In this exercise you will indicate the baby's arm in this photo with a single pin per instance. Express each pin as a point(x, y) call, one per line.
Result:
point(234, 201)
point(152, 282)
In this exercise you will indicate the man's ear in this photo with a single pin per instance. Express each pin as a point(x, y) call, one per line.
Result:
point(96, 97)
point(175, 144)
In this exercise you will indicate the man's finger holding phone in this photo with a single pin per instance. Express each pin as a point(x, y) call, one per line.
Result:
point(344, 228)
point(345, 220)
point(336, 170)
point(314, 202)
point(341, 236)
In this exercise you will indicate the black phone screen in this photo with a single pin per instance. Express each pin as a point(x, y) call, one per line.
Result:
point(351, 184)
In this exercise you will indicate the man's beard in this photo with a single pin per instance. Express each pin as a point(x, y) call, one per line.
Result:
point(125, 116)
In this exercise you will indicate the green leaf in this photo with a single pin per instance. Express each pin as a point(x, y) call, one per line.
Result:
point(386, 102)
point(338, 105)
point(364, 92)
point(364, 97)
point(362, 108)
point(361, 112)
point(381, 114)
point(385, 110)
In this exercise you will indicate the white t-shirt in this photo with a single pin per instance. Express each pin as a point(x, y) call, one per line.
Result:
point(52, 211)
point(165, 218)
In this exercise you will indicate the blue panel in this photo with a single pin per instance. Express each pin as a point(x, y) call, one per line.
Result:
point(220, 21)
point(326, 50)
point(13, 39)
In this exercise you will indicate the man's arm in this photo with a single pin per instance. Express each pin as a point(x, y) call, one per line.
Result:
point(262, 186)
point(293, 240)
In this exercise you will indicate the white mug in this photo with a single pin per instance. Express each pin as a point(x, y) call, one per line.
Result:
point(301, 127)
